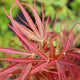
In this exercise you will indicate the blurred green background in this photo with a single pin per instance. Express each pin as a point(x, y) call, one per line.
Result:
point(66, 9)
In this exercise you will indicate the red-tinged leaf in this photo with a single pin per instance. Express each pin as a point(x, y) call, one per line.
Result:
point(28, 18)
point(25, 71)
point(61, 25)
point(74, 54)
point(62, 75)
point(23, 20)
point(17, 71)
point(67, 63)
point(68, 24)
point(69, 41)
point(8, 55)
point(42, 13)
point(75, 49)
point(63, 37)
point(79, 73)
point(58, 46)
point(46, 26)
point(36, 69)
point(75, 40)
point(70, 38)
point(51, 71)
point(54, 23)
point(22, 42)
point(10, 68)
point(52, 49)
point(59, 74)
point(55, 36)
point(63, 40)
point(30, 45)
point(13, 51)
point(25, 46)
point(23, 60)
point(35, 5)
point(34, 66)
point(72, 73)
point(50, 34)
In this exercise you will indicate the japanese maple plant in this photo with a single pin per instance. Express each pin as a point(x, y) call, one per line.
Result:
point(43, 60)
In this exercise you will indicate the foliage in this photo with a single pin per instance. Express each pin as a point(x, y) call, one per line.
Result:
point(51, 7)
point(42, 60)
point(59, 7)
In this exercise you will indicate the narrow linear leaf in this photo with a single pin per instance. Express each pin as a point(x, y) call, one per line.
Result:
point(13, 51)
point(61, 72)
point(72, 73)
point(25, 71)
point(74, 54)
point(38, 68)
point(70, 38)
point(10, 68)
point(42, 13)
point(46, 26)
point(69, 41)
point(23, 60)
point(68, 63)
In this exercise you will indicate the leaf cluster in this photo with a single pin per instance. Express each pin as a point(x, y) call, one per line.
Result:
point(42, 59)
